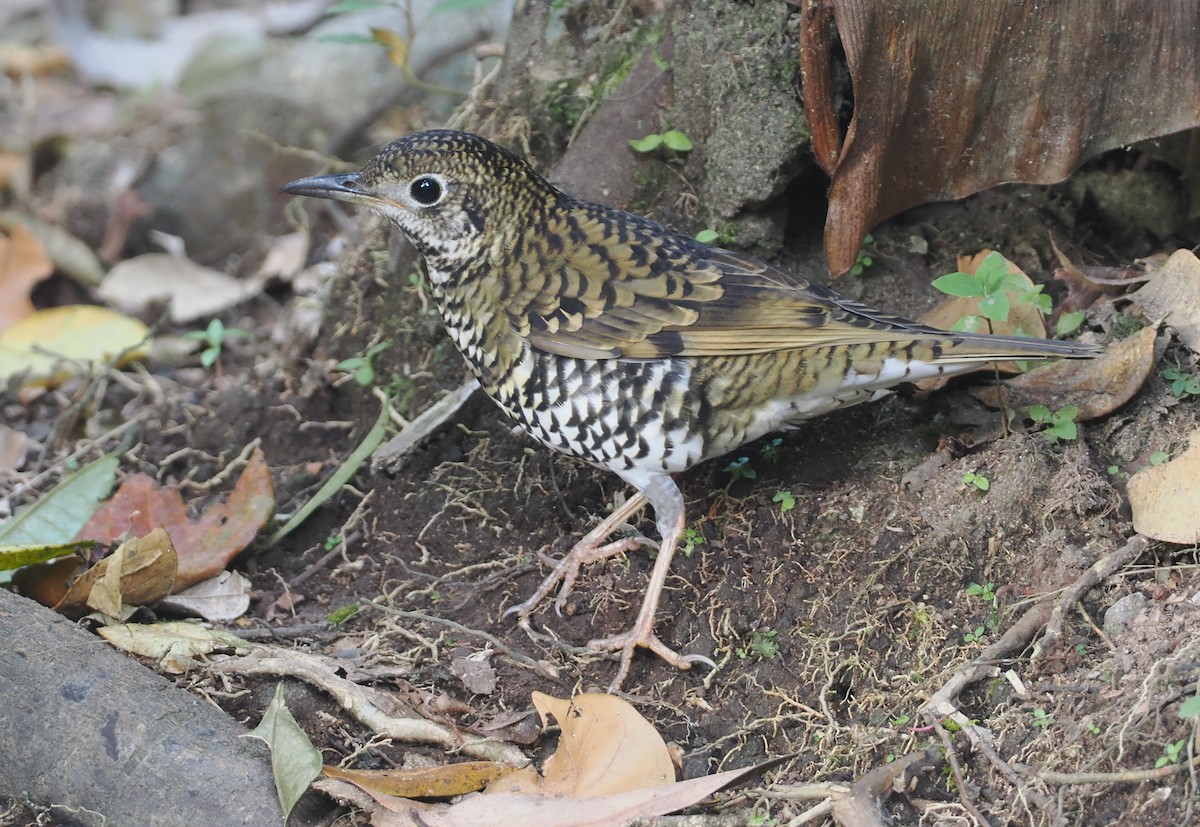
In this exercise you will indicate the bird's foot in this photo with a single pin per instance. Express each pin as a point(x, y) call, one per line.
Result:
point(567, 569)
point(589, 549)
point(642, 634)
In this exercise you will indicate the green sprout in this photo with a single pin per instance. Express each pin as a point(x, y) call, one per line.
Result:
point(740, 469)
point(360, 367)
point(1059, 424)
point(1183, 384)
point(1171, 753)
point(991, 283)
point(692, 537)
point(1159, 457)
point(786, 501)
point(762, 643)
point(863, 260)
point(978, 480)
point(672, 139)
point(1042, 718)
point(707, 236)
point(214, 336)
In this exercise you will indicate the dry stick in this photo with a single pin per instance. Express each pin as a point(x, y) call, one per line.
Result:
point(356, 700)
point(517, 657)
point(1124, 777)
point(1097, 573)
point(952, 757)
point(862, 805)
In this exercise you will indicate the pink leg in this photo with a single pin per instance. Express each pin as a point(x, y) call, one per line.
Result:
point(590, 549)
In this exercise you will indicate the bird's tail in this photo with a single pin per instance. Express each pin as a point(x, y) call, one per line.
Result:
point(983, 347)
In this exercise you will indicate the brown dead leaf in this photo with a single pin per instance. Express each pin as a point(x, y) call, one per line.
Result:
point(23, 263)
point(139, 573)
point(1096, 386)
point(606, 747)
point(12, 165)
point(521, 809)
point(205, 546)
point(14, 445)
point(428, 782)
point(1173, 293)
point(1164, 497)
point(47, 582)
point(953, 97)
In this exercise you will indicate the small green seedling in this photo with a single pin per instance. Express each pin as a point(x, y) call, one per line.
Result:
point(1042, 718)
point(1116, 471)
point(863, 260)
point(340, 616)
point(991, 283)
point(763, 643)
point(899, 721)
point(786, 501)
point(672, 139)
point(1068, 323)
point(978, 480)
point(1183, 384)
point(707, 236)
point(984, 591)
point(214, 336)
point(692, 538)
point(975, 635)
point(770, 451)
point(1092, 728)
point(1159, 457)
point(1190, 708)
point(1059, 424)
point(1171, 753)
point(333, 541)
point(360, 367)
point(740, 469)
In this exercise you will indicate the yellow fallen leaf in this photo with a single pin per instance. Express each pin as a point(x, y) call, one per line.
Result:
point(606, 747)
point(44, 343)
point(1164, 497)
point(23, 263)
point(427, 782)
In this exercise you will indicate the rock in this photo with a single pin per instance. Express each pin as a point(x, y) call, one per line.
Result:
point(1121, 614)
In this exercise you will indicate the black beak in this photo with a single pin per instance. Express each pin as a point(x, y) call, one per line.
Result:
point(337, 187)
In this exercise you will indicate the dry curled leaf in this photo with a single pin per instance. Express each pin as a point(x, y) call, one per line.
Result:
point(1164, 497)
point(1097, 387)
point(205, 546)
point(140, 572)
point(426, 782)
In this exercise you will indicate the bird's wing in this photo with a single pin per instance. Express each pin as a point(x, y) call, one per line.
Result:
point(623, 292)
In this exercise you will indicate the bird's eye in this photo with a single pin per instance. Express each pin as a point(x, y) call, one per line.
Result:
point(426, 190)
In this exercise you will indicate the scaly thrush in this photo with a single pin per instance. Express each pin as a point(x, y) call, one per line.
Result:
point(624, 343)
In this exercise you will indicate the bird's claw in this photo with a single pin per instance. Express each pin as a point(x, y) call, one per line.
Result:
point(628, 642)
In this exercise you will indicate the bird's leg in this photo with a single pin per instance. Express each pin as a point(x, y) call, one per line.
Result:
point(668, 504)
point(591, 548)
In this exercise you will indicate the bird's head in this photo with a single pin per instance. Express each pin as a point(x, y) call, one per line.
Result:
point(448, 191)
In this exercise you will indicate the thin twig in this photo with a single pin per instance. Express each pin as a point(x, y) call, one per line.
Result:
point(960, 782)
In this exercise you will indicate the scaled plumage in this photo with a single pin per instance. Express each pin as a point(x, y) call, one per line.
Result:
point(624, 343)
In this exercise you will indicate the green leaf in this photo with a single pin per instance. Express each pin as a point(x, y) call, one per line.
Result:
point(295, 762)
point(677, 141)
point(443, 6)
point(959, 284)
point(16, 557)
point(1190, 708)
point(1039, 413)
point(995, 307)
point(339, 477)
point(706, 236)
point(57, 517)
point(346, 6)
point(647, 144)
point(967, 324)
point(1068, 323)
